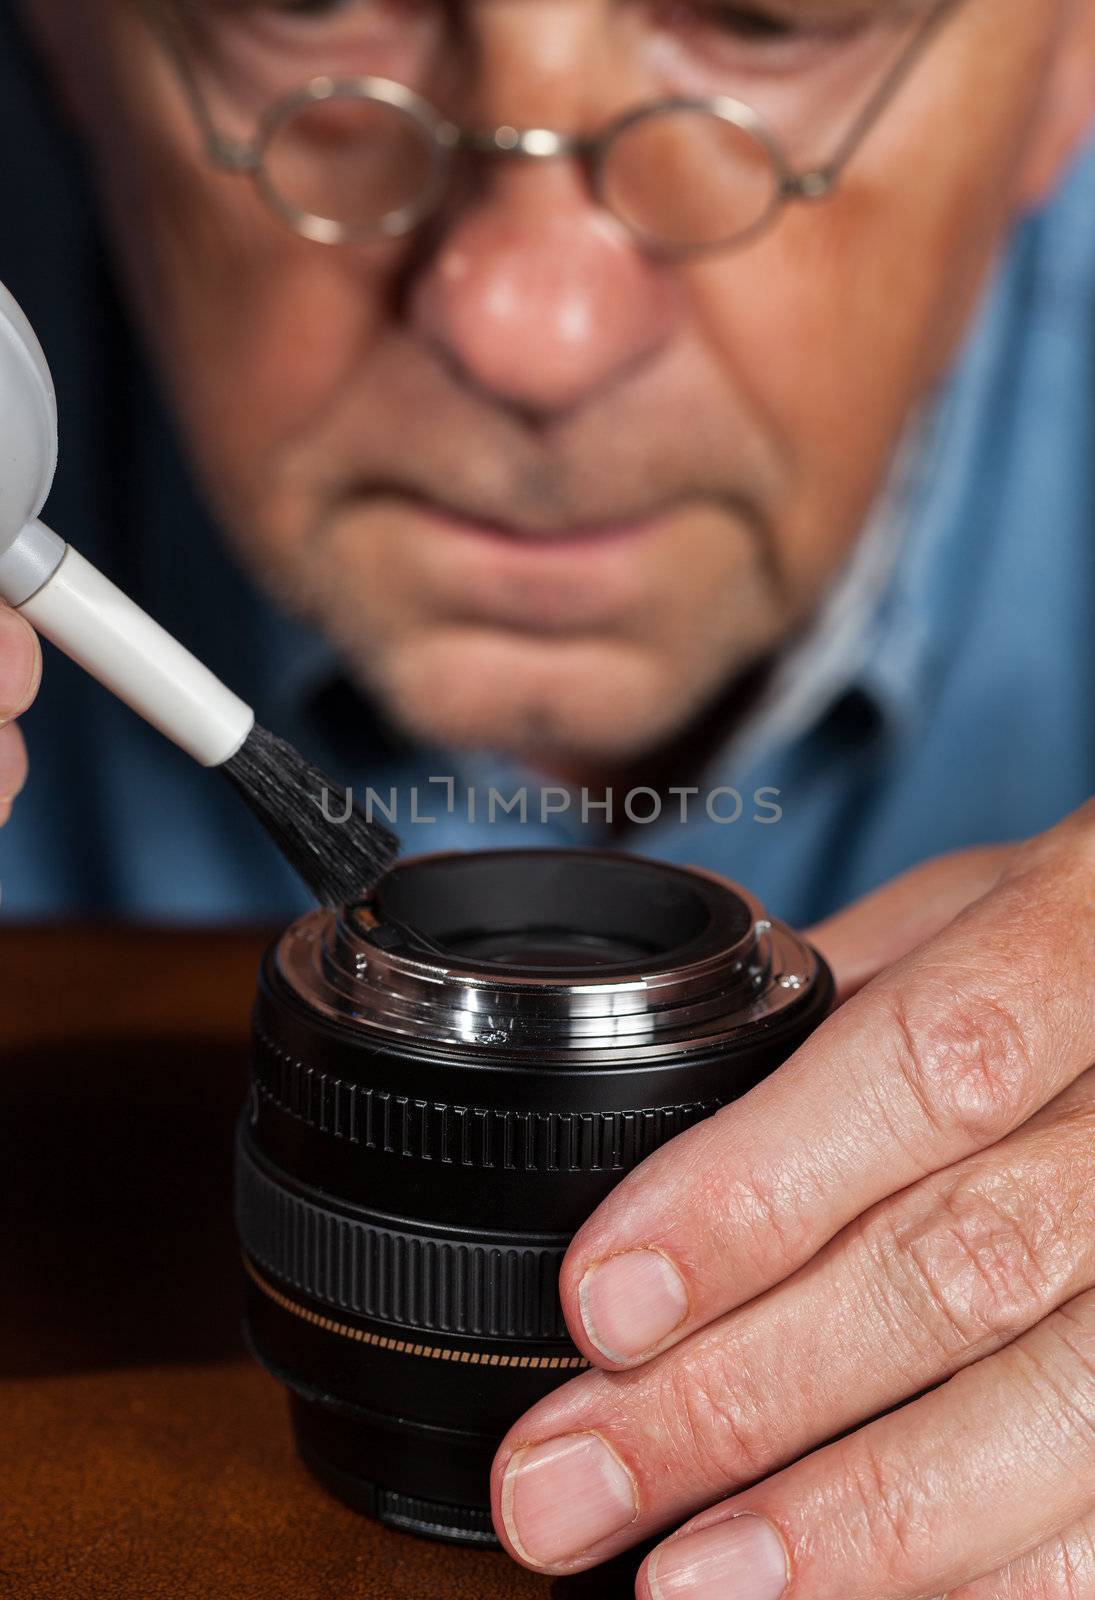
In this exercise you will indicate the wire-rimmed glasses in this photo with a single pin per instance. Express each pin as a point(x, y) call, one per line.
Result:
point(363, 159)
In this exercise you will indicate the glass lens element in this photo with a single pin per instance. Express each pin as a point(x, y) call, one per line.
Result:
point(346, 165)
point(685, 177)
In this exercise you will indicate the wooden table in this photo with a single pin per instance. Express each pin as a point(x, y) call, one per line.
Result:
point(142, 1454)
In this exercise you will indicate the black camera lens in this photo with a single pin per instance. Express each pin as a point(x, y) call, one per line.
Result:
point(447, 1078)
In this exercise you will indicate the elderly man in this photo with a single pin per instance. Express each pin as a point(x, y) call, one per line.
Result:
point(637, 396)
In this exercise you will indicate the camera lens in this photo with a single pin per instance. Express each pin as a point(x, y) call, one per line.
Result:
point(447, 1078)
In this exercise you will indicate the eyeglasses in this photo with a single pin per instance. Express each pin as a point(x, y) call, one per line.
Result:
point(363, 159)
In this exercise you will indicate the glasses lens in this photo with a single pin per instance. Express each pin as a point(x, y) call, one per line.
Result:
point(686, 177)
point(350, 166)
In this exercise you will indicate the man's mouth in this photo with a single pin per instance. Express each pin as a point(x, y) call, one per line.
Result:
point(546, 521)
point(538, 534)
point(549, 564)
point(534, 574)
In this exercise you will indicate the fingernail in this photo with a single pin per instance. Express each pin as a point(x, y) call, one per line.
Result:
point(565, 1496)
point(743, 1559)
point(13, 766)
point(631, 1302)
point(11, 622)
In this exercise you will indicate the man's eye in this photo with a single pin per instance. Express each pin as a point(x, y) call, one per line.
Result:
point(314, 8)
point(372, 12)
point(746, 22)
point(241, 10)
point(760, 24)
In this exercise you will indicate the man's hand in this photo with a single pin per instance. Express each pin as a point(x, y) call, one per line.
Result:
point(20, 674)
point(858, 1301)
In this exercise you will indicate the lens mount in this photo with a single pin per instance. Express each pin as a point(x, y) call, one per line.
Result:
point(550, 952)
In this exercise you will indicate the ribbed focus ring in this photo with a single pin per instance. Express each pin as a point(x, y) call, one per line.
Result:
point(467, 1523)
point(466, 1136)
point(404, 1279)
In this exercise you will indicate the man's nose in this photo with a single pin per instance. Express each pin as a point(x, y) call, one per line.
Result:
point(537, 296)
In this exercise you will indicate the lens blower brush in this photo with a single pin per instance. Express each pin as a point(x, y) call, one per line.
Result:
point(79, 610)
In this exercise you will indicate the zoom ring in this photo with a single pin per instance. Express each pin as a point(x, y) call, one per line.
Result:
point(466, 1136)
point(396, 1277)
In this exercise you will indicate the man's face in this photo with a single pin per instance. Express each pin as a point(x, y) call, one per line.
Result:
point(546, 492)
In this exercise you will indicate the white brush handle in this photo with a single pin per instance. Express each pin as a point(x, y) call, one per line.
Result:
point(107, 634)
point(67, 599)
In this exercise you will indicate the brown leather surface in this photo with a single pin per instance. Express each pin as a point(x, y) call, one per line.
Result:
point(142, 1454)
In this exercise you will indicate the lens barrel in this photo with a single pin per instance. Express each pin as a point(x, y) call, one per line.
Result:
point(447, 1078)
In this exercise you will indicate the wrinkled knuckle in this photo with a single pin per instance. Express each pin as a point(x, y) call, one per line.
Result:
point(984, 1266)
point(1061, 1569)
point(1049, 887)
point(1071, 1564)
point(1058, 854)
point(1078, 1561)
point(889, 1516)
point(718, 1424)
point(1056, 1377)
point(966, 1062)
point(1073, 1328)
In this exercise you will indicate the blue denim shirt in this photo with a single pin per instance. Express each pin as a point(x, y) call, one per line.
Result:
point(956, 707)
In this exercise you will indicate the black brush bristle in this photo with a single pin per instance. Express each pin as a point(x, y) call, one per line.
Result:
point(301, 810)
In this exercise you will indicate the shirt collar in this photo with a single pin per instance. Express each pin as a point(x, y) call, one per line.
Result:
point(853, 640)
point(890, 626)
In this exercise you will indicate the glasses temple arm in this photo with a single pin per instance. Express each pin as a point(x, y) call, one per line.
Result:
point(821, 180)
point(225, 152)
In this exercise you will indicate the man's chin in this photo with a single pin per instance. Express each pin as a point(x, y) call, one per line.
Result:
point(550, 703)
